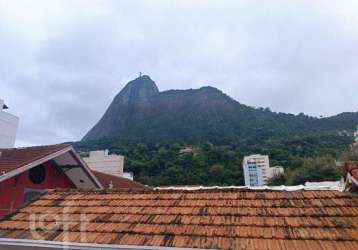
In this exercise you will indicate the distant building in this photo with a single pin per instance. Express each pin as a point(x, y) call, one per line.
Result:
point(8, 127)
point(128, 175)
point(186, 149)
point(275, 171)
point(356, 135)
point(257, 170)
point(103, 162)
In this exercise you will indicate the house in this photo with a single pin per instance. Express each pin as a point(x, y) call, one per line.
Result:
point(186, 149)
point(104, 162)
point(219, 218)
point(26, 172)
point(351, 176)
point(8, 127)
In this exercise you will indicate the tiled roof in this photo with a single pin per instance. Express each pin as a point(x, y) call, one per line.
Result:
point(351, 176)
point(352, 168)
point(225, 219)
point(117, 182)
point(14, 158)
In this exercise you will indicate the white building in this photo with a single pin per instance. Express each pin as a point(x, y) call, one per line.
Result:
point(103, 162)
point(8, 127)
point(257, 170)
point(356, 135)
point(128, 175)
point(275, 171)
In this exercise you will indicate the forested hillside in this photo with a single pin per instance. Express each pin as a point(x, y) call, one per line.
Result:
point(310, 158)
point(149, 127)
point(142, 114)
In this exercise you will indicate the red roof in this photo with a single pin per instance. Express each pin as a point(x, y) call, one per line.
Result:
point(13, 158)
point(352, 168)
point(206, 219)
point(351, 176)
point(117, 182)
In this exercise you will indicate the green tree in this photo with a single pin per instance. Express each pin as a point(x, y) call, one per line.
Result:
point(314, 169)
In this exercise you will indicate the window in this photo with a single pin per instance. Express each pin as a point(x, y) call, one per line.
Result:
point(37, 174)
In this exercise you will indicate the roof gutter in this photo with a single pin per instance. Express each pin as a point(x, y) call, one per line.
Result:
point(6, 243)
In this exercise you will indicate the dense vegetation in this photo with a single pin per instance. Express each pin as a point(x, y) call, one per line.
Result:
point(140, 113)
point(310, 158)
point(148, 127)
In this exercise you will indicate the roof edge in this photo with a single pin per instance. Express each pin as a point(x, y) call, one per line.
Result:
point(86, 167)
point(260, 188)
point(32, 164)
point(31, 244)
point(65, 149)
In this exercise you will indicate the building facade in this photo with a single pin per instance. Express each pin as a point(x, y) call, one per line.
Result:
point(275, 171)
point(104, 162)
point(28, 172)
point(257, 170)
point(23, 187)
point(356, 135)
point(8, 127)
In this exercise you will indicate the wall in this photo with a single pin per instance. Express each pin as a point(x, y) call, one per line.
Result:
point(103, 162)
point(12, 190)
point(8, 128)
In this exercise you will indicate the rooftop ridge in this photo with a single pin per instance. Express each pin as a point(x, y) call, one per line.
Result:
point(203, 190)
point(38, 146)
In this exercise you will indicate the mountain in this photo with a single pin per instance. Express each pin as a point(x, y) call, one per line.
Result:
point(141, 113)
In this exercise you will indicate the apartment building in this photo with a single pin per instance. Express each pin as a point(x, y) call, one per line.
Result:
point(257, 170)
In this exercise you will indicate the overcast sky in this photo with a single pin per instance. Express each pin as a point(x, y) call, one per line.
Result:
point(62, 62)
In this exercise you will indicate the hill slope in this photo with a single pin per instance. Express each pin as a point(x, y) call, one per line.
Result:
point(140, 113)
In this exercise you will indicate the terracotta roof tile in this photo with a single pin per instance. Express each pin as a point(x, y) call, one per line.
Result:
point(14, 158)
point(118, 182)
point(225, 219)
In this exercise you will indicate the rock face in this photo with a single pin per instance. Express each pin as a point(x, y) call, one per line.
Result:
point(136, 95)
point(136, 92)
point(140, 113)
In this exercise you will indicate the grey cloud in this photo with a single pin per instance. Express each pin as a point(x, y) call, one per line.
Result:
point(291, 56)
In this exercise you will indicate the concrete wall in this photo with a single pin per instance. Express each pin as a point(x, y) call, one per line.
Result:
point(12, 190)
point(103, 162)
point(8, 128)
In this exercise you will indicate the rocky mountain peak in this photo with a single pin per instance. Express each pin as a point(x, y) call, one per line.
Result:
point(137, 91)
